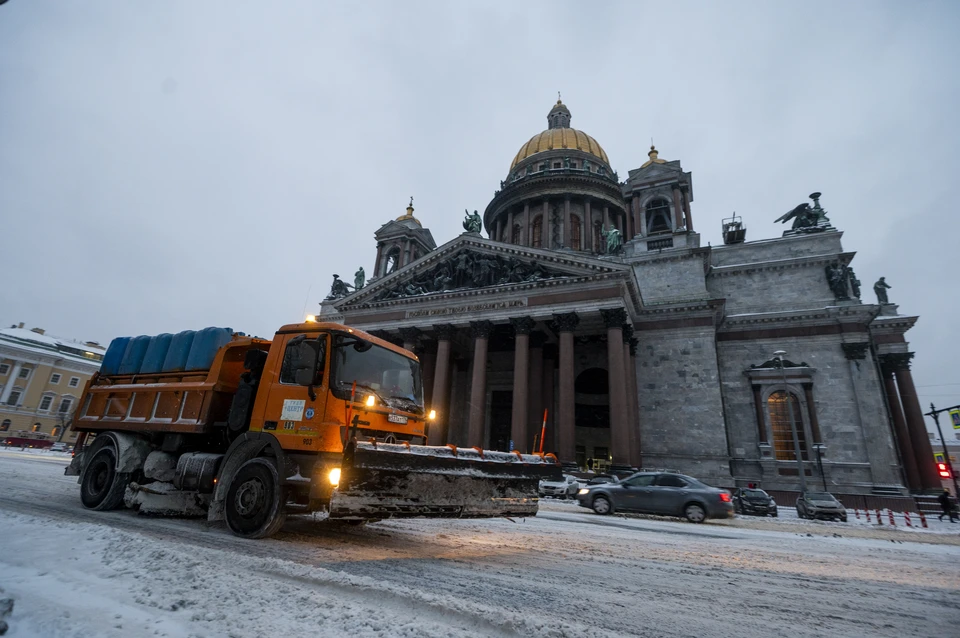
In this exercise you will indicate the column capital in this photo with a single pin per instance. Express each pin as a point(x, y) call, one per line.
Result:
point(855, 351)
point(522, 325)
point(481, 329)
point(444, 331)
point(537, 339)
point(409, 334)
point(896, 360)
point(634, 342)
point(614, 317)
point(627, 333)
point(567, 322)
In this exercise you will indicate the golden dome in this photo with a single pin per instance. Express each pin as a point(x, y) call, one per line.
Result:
point(560, 138)
point(409, 214)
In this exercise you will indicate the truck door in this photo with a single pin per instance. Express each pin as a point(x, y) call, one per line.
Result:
point(297, 398)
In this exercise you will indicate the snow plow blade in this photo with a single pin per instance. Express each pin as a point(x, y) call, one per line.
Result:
point(379, 480)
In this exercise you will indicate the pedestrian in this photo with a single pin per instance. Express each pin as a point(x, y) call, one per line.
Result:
point(946, 503)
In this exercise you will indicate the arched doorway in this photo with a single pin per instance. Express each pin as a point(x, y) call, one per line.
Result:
point(592, 418)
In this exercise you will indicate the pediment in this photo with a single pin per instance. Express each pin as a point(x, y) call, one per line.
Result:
point(654, 171)
point(470, 263)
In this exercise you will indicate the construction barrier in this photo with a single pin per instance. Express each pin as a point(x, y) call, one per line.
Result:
point(923, 520)
point(879, 520)
point(906, 519)
point(892, 522)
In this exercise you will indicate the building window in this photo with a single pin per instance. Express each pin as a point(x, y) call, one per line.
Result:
point(24, 373)
point(658, 216)
point(46, 402)
point(573, 164)
point(574, 232)
point(35, 428)
point(537, 239)
point(54, 379)
point(74, 382)
point(5, 425)
point(56, 430)
point(65, 404)
point(4, 368)
point(777, 407)
point(515, 236)
point(557, 165)
point(14, 398)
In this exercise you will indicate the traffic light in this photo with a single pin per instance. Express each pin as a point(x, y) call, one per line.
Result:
point(944, 470)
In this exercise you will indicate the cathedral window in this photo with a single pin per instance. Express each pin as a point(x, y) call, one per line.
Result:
point(780, 405)
point(537, 239)
point(574, 232)
point(658, 216)
point(556, 164)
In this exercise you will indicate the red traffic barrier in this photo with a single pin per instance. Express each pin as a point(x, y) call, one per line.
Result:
point(879, 520)
point(906, 519)
point(893, 521)
point(923, 520)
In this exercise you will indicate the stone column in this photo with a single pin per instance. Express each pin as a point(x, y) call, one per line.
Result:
point(641, 230)
point(548, 390)
point(588, 225)
point(907, 457)
point(522, 327)
point(508, 238)
point(686, 207)
point(478, 388)
point(567, 226)
point(566, 418)
point(441, 384)
point(629, 382)
point(677, 206)
point(606, 218)
point(619, 434)
point(627, 225)
point(12, 381)
point(634, 399)
point(535, 404)
point(526, 225)
point(498, 237)
point(428, 368)
point(923, 452)
point(377, 266)
point(548, 225)
point(410, 337)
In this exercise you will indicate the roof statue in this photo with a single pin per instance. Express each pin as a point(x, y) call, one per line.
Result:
point(472, 223)
point(881, 288)
point(359, 278)
point(806, 218)
point(613, 239)
point(338, 288)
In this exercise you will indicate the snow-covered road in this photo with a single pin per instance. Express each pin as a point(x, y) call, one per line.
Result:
point(566, 572)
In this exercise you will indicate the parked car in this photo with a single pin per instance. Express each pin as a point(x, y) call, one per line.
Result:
point(661, 493)
point(599, 479)
point(60, 446)
point(567, 487)
point(820, 505)
point(749, 500)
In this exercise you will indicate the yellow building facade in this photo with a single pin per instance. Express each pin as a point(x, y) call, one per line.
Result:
point(41, 380)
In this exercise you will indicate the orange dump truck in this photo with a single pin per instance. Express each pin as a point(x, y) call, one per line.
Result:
point(321, 418)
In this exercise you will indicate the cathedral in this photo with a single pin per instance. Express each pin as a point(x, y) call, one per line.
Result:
point(578, 314)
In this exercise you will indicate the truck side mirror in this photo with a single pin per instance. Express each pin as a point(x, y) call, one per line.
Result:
point(362, 345)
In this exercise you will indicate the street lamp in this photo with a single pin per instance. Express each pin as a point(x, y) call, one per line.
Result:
point(935, 413)
point(793, 424)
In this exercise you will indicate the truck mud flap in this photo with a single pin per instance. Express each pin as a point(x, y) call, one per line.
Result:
point(380, 481)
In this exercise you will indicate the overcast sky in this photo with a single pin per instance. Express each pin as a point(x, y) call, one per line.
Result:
point(172, 165)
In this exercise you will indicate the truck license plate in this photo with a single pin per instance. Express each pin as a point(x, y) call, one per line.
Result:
point(396, 418)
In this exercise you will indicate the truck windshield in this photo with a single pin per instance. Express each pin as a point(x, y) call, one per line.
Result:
point(391, 377)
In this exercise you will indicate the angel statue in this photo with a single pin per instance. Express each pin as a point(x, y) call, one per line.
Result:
point(805, 216)
point(613, 240)
point(472, 223)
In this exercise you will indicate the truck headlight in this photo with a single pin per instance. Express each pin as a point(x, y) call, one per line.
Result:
point(433, 415)
point(334, 476)
point(582, 490)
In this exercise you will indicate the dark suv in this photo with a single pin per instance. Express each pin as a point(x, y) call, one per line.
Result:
point(659, 493)
point(749, 500)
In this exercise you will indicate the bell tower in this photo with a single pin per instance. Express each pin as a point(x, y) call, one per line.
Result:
point(401, 242)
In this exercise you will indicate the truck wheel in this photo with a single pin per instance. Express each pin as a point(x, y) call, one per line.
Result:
point(254, 504)
point(102, 487)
